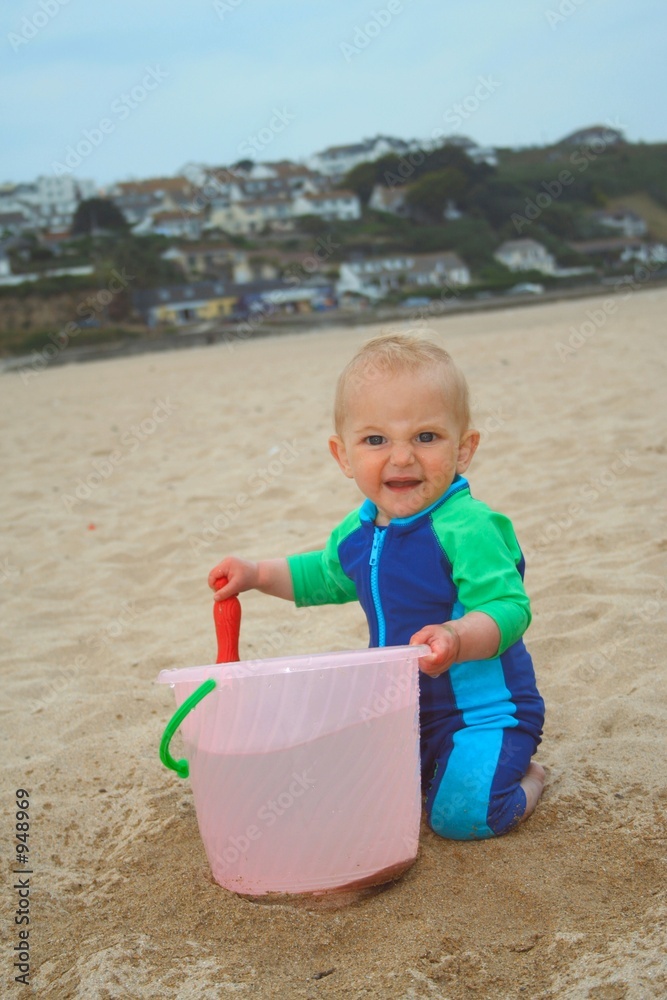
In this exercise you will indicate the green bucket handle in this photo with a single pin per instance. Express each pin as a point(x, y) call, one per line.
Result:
point(181, 767)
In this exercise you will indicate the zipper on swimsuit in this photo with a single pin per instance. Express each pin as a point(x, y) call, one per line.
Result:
point(376, 549)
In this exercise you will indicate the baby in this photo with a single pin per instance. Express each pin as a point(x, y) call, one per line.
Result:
point(429, 565)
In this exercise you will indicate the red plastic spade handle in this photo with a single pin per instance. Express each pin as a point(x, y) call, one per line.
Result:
point(227, 618)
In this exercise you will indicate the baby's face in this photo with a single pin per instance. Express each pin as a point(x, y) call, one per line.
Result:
point(401, 443)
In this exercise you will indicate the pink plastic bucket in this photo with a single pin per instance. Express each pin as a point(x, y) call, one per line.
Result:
point(304, 770)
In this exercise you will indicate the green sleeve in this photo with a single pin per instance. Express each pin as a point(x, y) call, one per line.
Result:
point(484, 554)
point(318, 577)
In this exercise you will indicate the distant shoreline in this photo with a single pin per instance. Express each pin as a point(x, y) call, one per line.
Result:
point(313, 322)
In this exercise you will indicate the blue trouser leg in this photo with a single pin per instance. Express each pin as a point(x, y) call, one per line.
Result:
point(475, 790)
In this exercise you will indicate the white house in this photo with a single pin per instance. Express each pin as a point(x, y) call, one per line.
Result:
point(647, 253)
point(622, 219)
point(343, 206)
point(224, 184)
point(141, 200)
point(19, 200)
point(376, 277)
point(49, 202)
point(336, 161)
point(14, 222)
point(57, 198)
point(252, 215)
point(297, 176)
point(439, 268)
point(525, 255)
point(173, 224)
point(389, 199)
point(220, 260)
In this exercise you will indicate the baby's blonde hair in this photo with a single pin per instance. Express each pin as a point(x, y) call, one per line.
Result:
point(394, 354)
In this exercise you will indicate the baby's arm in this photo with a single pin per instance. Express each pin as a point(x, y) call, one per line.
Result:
point(485, 557)
point(475, 636)
point(270, 576)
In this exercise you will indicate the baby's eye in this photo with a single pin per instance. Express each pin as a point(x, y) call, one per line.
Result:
point(426, 437)
point(375, 439)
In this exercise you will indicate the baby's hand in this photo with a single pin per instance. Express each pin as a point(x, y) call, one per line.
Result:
point(445, 644)
point(240, 575)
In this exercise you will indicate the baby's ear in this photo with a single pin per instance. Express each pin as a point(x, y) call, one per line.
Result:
point(467, 448)
point(337, 449)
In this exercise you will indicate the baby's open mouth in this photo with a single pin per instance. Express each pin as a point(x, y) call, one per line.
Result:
point(402, 485)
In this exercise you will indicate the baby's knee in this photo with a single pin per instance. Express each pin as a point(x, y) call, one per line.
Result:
point(461, 817)
point(456, 818)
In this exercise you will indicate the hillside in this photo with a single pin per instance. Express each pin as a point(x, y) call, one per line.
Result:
point(646, 206)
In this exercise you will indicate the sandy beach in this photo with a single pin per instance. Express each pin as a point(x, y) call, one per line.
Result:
point(126, 480)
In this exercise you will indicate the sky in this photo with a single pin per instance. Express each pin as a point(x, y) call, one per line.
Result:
point(138, 88)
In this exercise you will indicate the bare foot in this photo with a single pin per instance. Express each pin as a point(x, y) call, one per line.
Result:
point(532, 784)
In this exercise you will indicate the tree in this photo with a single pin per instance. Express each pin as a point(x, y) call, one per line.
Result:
point(429, 196)
point(363, 178)
point(140, 259)
point(95, 214)
point(315, 225)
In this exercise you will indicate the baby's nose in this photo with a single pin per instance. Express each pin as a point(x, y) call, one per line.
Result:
point(401, 455)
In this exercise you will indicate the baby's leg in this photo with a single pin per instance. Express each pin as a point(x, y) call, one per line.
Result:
point(484, 783)
point(533, 786)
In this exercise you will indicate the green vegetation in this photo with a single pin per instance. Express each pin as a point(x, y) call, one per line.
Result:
point(96, 303)
point(394, 171)
point(548, 194)
point(20, 344)
point(140, 258)
point(46, 287)
point(97, 214)
point(598, 174)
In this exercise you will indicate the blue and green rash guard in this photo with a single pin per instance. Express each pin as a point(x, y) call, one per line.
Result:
point(480, 721)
